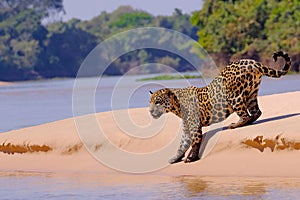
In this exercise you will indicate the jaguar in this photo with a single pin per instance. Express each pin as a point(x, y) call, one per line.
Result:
point(235, 89)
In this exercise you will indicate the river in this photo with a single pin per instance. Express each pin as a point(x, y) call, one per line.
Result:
point(31, 103)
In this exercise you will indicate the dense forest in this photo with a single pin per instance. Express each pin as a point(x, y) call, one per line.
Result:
point(35, 43)
point(233, 29)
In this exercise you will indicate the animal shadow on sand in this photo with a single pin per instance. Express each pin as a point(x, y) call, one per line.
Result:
point(208, 135)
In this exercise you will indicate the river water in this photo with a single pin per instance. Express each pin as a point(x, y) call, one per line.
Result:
point(36, 102)
point(49, 186)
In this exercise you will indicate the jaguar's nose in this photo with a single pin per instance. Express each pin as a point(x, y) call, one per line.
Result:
point(151, 111)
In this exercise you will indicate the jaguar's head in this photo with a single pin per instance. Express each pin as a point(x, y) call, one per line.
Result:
point(160, 102)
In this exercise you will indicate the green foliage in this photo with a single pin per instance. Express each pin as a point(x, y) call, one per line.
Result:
point(169, 61)
point(179, 22)
point(124, 18)
point(169, 77)
point(30, 49)
point(44, 7)
point(20, 44)
point(22, 36)
point(283, 24)
point(234, 27)
point(107, 24)
point(130, 20)
point(63, 56)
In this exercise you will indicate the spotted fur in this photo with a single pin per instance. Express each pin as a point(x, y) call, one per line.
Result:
point(235, 89)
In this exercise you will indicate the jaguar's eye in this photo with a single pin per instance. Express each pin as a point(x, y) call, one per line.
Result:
point(157, 99)
point(157, 104)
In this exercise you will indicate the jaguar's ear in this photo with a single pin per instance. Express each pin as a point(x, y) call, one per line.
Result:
point(150, 92)
point(168, 93)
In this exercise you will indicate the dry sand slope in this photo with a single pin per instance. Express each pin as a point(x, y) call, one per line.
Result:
point(270, 147)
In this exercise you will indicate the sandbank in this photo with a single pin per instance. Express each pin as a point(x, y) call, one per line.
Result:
point(268, 148)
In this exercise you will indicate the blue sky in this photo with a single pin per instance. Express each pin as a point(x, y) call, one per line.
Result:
point(87, 9)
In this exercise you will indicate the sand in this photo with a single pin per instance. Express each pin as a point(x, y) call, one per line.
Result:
point(4, 83)
point(268, 148)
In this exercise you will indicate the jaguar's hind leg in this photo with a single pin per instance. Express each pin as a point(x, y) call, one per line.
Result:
point(241, 110)
point(254, 110)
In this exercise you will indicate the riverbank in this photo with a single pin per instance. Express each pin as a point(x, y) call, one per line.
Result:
point(4, 83)
point(269, 148)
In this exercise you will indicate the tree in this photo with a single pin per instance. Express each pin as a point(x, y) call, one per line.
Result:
point(248, 27)
point(131, 20)
point(282, 26)
point(22, 36)
point(44, 7)
point(66, 48)
point(229, 26)
point(179, 22)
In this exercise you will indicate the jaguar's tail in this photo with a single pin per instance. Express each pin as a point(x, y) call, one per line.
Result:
point(278, 73)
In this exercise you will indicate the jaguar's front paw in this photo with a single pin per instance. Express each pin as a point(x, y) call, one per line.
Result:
point(192, 158)
point(175, 159)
